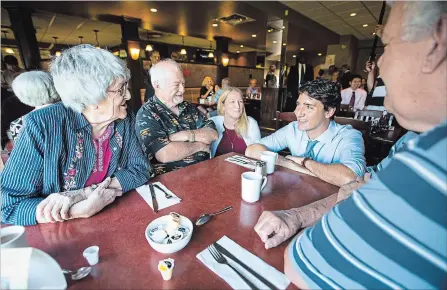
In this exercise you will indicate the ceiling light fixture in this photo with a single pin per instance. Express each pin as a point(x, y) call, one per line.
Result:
point(302, 48)
point(215, 24)
point(319, 54)
point(269, 30)
point(211, 54)
point(97, 41)
point(242, 45)
point(353, 14)
point(284, 44)
point(283, 27)
point(149, 48)
point(365, 25)
point(80, 39)
point(56, 51)
point(294, 55)
point(253, 35)
point(153, 10)
point(274, 41)
point(183, 51)
point(238, 51)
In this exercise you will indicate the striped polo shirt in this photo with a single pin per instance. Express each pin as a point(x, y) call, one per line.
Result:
point(391, 233)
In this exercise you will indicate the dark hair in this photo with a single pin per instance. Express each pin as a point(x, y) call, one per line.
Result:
point(324, 91)
point(356, 77)
point(11, 60)
point(332, 69)
point(321, 72)
point(345, 66)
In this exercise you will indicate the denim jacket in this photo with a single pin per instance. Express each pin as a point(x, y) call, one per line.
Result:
point(54, 153)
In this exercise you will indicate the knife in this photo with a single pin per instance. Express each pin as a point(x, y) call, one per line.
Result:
point(154, 199)
point(229, 255)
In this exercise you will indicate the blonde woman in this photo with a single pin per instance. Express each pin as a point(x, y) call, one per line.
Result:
point(236, 130)
point(208, 88)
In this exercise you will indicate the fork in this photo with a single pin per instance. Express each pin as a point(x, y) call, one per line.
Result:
point(221, 260)
point(167, 195)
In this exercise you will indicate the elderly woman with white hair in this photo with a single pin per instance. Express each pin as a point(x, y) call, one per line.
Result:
point(35, 89)
point(75, 157)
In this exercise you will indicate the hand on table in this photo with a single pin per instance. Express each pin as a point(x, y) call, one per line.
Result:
point(56, 206)
point(274, 227)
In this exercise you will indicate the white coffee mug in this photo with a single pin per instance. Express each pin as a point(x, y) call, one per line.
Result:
point(269, 158)
point(252, 185)
point(13, 237)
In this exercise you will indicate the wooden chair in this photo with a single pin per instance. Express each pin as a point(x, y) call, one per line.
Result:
point(284, 118)
point(359, 125)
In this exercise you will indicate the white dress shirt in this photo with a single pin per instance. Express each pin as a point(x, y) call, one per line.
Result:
point(301, 65)
point(360, 98)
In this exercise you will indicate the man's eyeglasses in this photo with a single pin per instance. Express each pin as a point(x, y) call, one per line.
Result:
point(122, 91)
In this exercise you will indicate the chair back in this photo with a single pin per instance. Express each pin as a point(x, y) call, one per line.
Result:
point(283, 118)
point(359, 125)
point(368, 115)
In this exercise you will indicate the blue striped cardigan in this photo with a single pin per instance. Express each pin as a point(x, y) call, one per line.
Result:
point(54, 152)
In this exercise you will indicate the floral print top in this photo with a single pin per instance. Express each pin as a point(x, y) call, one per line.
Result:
point(155, 122)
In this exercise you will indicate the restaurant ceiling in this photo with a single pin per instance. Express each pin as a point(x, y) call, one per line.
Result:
point(193, 19)
point(335, 15)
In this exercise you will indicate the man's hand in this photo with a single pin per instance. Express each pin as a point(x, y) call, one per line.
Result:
point(346, 190)
point(296, 159)
point(274, 227)
point(203, 147)
point(370, 66)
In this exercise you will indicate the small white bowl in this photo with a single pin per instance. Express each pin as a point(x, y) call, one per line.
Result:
point(174, 247)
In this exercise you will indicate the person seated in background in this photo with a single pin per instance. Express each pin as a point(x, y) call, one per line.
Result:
point(252, 89)
point(208, 88)
point(155, 58)
point(210, 112)
point(320, 74)
point(75, 157)
point(363, 85)
point(172, 132)
point(354, 96)
point(366, 241)
point(35, 89)
point(11, 71)
point(332, 152)
point(236, 130)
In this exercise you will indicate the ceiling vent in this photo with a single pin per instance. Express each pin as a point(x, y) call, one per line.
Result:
point(235, 19)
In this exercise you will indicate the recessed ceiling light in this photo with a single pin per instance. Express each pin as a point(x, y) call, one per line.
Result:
point(283, 27)
point(374, 33)
point(215, 24)
point(153, 10)
point(253, 35)
point(294, 55)
point(274, 41)
point(284, 44)
point(269, 30)
point(319, 54)
point(302, 48)
point(237, 51)
point(353, 14)
point(365, 25)
point(242, 45)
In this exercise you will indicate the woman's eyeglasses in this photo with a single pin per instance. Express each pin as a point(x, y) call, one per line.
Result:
point(122, 91)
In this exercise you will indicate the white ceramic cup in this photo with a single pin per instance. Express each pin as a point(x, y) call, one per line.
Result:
point(252, 184)
point(269, 158)
point(92, 255)
point(13, 237)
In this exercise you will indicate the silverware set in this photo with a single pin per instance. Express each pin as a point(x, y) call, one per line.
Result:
point(216, 251)
point(243, 160)
point(154, 198)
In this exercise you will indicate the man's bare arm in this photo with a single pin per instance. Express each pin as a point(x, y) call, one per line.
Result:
point(176, 151)
point(204, 135)
point(337, 174)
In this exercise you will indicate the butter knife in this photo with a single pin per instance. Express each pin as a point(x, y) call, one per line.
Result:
point(229, 255)
point(154, 199)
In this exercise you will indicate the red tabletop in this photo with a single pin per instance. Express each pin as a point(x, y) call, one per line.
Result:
point(126, 259)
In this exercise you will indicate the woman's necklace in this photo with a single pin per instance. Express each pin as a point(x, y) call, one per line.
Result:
point(228, 137)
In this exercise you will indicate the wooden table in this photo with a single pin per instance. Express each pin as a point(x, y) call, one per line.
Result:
point(126, 259)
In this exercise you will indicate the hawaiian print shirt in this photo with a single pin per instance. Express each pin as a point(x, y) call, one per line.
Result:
point(155, 122)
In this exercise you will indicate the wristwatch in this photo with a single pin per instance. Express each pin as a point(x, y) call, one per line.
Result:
point(303, 163)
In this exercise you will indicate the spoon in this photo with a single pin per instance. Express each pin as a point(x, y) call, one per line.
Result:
point(204, 218)
point(78, 274)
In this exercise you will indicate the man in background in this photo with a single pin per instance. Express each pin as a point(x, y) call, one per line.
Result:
point(346, 76)
point(155, 58)
point(354, 96)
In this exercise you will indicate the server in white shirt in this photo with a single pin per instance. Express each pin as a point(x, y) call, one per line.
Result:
point(354, 96)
